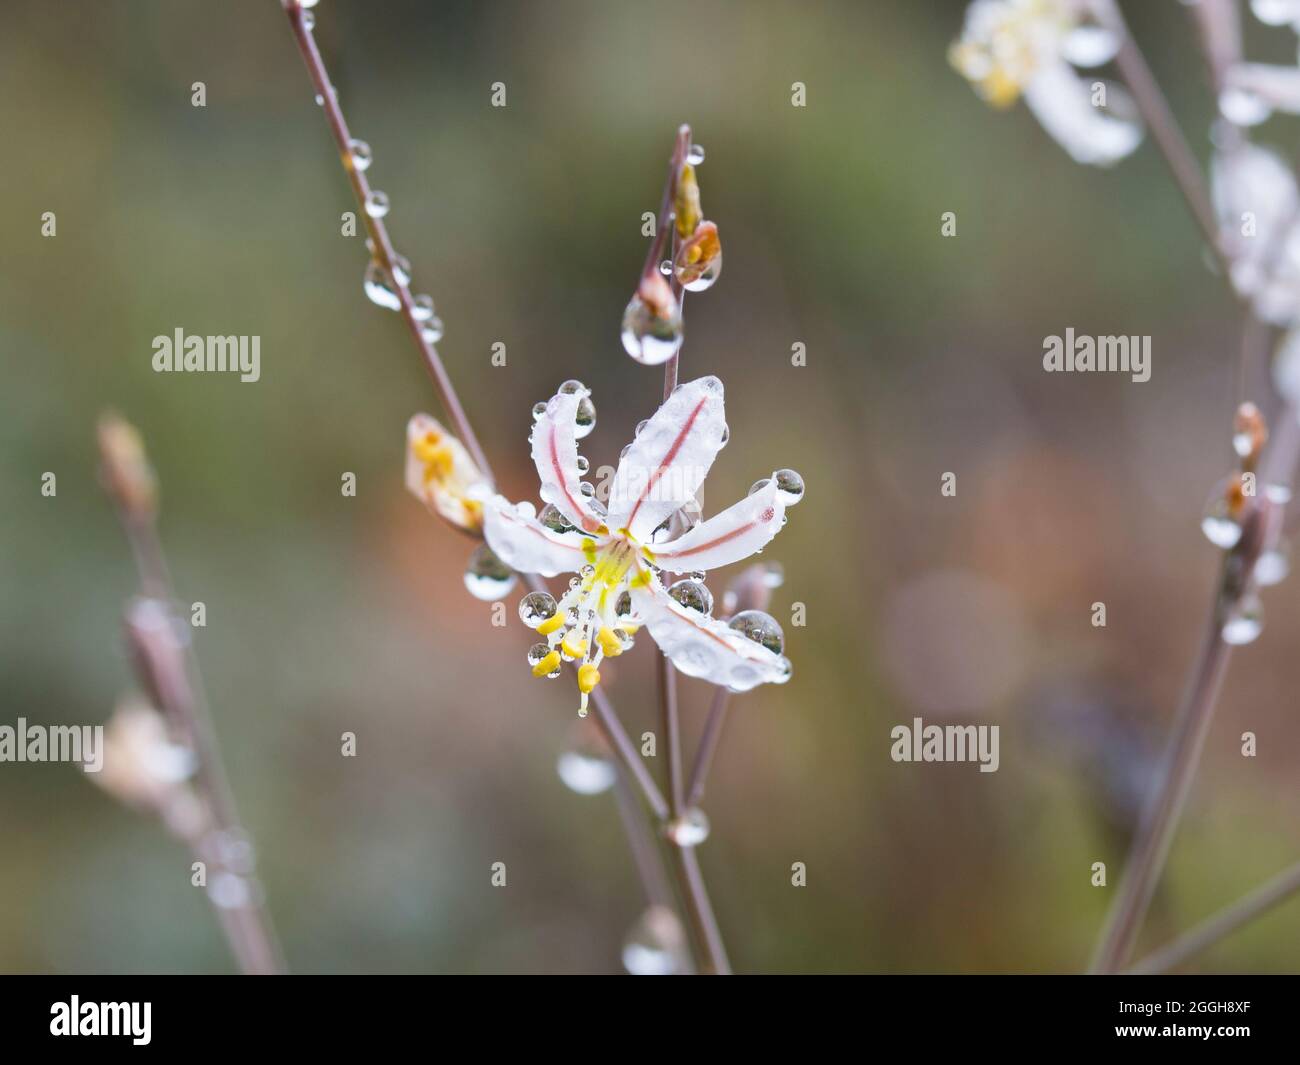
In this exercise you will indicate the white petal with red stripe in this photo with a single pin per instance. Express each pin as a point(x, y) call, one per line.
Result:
point(701, 646)
point(525, 544)
point(735, 533)
point(669, 459)
point(555, 452)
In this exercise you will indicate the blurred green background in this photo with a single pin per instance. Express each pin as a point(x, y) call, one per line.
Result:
point(328, 614)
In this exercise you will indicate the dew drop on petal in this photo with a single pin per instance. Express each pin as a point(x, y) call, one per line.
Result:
point(693, 595)
point(655, 944)
point(587, 489)
point(584, 465)
point(623, 605)
point(553, 518)
point(539, 411)
point(758, 486)
point(377, 204)
point(486, 576)
point(789, 486)
point(787, 671)
point(536, 607)
point(689, 830)
point(760, 627)
point(361, 155)
point(585, 421)
point(1244, 621)
point(585, 774)
point(572, 387)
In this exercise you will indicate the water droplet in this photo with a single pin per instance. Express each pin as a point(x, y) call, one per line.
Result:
point(361, 154)
point(761, 628)
point(1218, 522)
point(656, 944)
point(536, 607)
point(587, 489)
point(228, 891)
point(640, 426)
point(758, 486)
point(695, 154)
point(623, 605)
point(1273, 566)
point(789, 486)
point(666, 267)
point(572, 387)
point(539, 411)
point(1243, 108)
point(726, 436)
point(693, 595)
point(624, 638)
point(377, 204)
point(1244, 621)
point(773, 575)
point(584, 464)
point(649, 338)
point(486, 576)
point(586, 774)
point(432, 330)
point(787, 670)
point(689, 830)
point(537, 653)
point(379, 290)
point(585, 420)
point(553, 518)
point(587, 570)
point(422, 308)
point(1278, 493)
point(308, 21)
point(307, 3)
point(401, 268)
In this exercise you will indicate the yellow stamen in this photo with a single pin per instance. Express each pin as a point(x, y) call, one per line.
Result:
point(555, 621)
point(573, 647)
point(547, 665)
point(609, 643)
point(588, 677)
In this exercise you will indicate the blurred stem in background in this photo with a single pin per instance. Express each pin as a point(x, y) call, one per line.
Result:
point(1260, 517)
point(152, 761)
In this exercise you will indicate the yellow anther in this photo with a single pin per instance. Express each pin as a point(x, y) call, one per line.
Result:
point(555, 621)
point(609, 643)
point(588, 677)
point(547, 665)
point(631, 630)
point(641, 580)
point(589, 549)
point(573, 647)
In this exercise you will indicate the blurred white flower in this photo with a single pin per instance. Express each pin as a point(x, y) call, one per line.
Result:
point(1256, 199)
point(1010, 48)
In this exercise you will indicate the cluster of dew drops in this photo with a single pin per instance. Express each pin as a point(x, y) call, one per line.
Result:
point(1222, 526)
point(381, 288)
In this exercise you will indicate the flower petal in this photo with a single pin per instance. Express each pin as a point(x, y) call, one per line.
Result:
point(1062, 103)
point(701, 646)
point(441, 474)
point(523, 543)
point(735, 533)
point(669, 459)
point(555, 452)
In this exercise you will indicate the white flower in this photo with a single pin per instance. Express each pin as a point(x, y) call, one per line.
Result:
point(1256, 198)
point(617, 557)
point(1010, 48)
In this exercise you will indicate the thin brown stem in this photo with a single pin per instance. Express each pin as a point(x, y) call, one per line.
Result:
point(382, 246)
point(173, 675)
point(1228, 920)
point(709, 741)
point(672, 732)
point(1155, 112)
